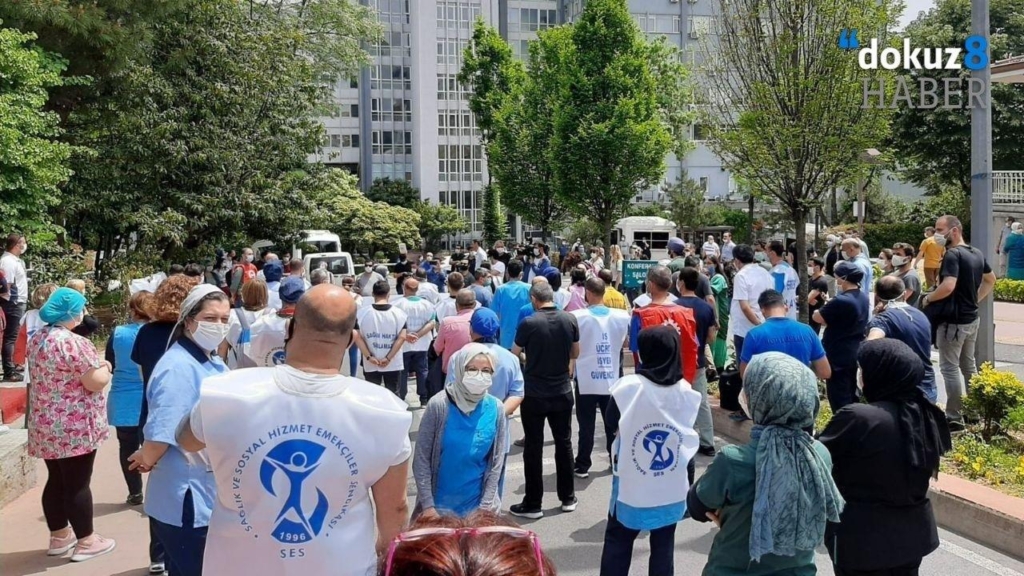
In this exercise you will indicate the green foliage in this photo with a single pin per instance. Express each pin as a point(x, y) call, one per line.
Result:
point(879, 236)
point(996, 463)
point(438, 221)
point(492, 73)
point(359, 221)
point(686, 203)
point(824, 416)
point(588, 231)
point(33, 164)
point(648, 210)
point(1007, 290)
point(991, 396)
point(610, 137)
point(934, 145)
point(494, 221)
point(738, 219)
point(1014, 420)
point(394, 192)
point(51, 262)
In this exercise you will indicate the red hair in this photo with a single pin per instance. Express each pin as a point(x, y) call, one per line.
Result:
point(489, 554)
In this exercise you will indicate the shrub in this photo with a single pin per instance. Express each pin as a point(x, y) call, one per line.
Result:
point(974, 458)
point(1014, 421)
point(824, 417)
point(1009, 290)
point(991, 396)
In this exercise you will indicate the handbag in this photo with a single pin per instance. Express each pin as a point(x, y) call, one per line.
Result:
point(729, 386)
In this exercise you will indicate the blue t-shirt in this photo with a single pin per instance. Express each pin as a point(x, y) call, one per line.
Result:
point(910, 326)
point(506, 304)
point(466, 449)
point(846, 317)
point(783, 335)
point(124, 403)
point(704, 314)
point(483, 295)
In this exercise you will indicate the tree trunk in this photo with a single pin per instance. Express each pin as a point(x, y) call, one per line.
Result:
point(834, 216)
point(800, 261)
point(606, 239)
point(750, 219)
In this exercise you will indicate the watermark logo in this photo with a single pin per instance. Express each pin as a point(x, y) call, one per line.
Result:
point(848, 39)
point(974, 54)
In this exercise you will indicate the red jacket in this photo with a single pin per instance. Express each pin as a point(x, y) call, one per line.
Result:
point(681, 318)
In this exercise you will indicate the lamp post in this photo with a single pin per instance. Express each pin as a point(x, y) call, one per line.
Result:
point(870, 156)
point(981, 177)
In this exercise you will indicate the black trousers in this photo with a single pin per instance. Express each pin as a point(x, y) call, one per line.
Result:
point(67, 498)
point(390, 380)
point(13, 311)
point(908, 570)
point(618, 549)
point(557, 411)
point(841, 388)
point(129, 440)
point(587, 406)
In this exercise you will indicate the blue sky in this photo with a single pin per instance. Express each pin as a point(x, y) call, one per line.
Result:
point(913, 7)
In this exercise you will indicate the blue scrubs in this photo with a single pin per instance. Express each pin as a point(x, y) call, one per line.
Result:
point(466, 449)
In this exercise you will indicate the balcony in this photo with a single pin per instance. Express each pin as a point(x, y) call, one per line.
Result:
point(1008, 187)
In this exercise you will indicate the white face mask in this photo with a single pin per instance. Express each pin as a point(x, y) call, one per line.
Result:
point(745, 404)
point(249, 258)
point(209, 335)
point(810, 271)
point(477, 382)
point(536, 252)
point(940, 240)
point(899, 261)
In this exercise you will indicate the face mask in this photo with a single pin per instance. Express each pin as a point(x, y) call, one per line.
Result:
point(249, 258)
point(501, 250)
point(760, 257)
point(744, 403)
point(477, 383)
point(709, 270)
point(899, 261)
point(940, 240)
point(810, 271)
point(536, 252)
point(369, 269)
point(209, 335)
point(846, 256)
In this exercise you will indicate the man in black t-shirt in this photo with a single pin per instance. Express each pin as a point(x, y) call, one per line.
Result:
point(965, 279)
point(817, 290)
point(551, 340)
point(845, 319)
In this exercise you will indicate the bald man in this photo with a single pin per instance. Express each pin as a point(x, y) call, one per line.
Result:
point(297, 451)
point(420, 324)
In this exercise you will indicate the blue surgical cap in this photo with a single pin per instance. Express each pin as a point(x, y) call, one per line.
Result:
point(63, 305)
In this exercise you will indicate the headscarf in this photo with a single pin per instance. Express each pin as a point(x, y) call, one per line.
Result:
point(794, 493)
point(660, 361)
point(456, 389)
point(195, 296)
point(892, 372)
point(63, 305)
point(1017, 228)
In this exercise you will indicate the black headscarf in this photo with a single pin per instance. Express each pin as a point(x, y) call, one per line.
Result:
point(892, 372)
point(661, 362)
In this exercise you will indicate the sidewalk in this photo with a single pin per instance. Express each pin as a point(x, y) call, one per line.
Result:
point(1010, 325)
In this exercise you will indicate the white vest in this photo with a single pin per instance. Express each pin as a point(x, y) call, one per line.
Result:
point(266, 343)
point(417, 314)
point(601, 339)
point(380, 329)
point(655, 442)
point(294, 462)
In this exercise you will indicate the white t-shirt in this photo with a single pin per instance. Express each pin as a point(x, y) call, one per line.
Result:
point(642, 300)
point(418, 312)
point(710, 249)
point(235, 336)
point(498, 269)
point(274, 296)
point(294, 457)
point(562, 297)
point(601, 340)
point(786, 281)
point(748, 285)
point(17, 279)
point(380, 329)
point(266, 345)
point(480, 256)
point(429, 291)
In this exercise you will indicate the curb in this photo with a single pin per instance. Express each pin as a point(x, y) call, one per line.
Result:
point(17, 469)
point(976, 512)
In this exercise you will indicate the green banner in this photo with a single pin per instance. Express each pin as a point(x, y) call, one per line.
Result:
point(634, 272)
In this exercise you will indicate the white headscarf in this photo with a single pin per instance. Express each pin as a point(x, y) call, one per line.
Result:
point(456, 389)
point(195, 295)
point(1017, 228)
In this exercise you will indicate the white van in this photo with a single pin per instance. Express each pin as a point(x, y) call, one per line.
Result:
point(651, 229)
point(313, 241)
point(338, 264)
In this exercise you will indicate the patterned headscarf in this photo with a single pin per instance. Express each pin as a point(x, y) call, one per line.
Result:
point(794, 495)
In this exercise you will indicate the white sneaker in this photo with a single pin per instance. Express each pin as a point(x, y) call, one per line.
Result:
point(98, 547)
point(570, 505)
point(157, 568)
point(60, 546)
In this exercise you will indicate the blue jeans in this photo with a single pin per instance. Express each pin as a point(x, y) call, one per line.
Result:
point(353, 360)
point(183, 546)
point(415, 362)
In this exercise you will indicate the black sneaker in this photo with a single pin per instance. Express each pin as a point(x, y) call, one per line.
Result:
point(14, 377)
point(570, 505)
point(580, 472)
point(134, 499)
point(706, 451)
point(523, 512)
point(521, 442)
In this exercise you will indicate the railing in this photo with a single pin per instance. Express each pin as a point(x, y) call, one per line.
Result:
point(1008, 187)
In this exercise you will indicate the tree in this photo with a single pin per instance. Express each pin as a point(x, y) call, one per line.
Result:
point(784, 101)
point(610, 138)
point(359, 221)
point(394, 192)
point(492, 73)
point(33, 164)
point(686, 203)
point(438, 221)
point(934, 146)
point(495, 223)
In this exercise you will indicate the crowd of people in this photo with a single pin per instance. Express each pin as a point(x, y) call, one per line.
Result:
point(237, 394)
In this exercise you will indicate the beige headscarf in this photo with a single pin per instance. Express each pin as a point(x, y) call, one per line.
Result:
point(465, 400)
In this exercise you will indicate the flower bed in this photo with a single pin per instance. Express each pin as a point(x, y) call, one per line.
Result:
point(1009, 290)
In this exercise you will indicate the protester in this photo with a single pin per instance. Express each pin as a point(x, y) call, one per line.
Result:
point(653, 412)
point(419, 324)
point(180, 491)
point(550, 339)
point(381, 337)
point(852, 253)
point(845, 319)
point(780, 333)
point(498, 268)
point(596, 261)
point(612, 298)
point(349, 285)
point(710, 247)
point(965, 280)
point(124, 403)
point(460, 447)
point(885, 261)
point(833, 255)
point(254, 307)
point(89, 324)
point(895, 318)
point(785, 278)
point(367, 280)
point(727, 247)
point(297, 269)
point(663, 311)
point(320, 276)
point(339, 438)
point(818, 290)
point(507, 302)
point(455, 332)
point(272, 274)
point(195, 271)
point(602, 332)
point(884, 454)
point(481, 288)
point(931, 253)
point(539, 262)
point(483, 543)
point(1013, 253)
point(1004, 234)
point(429, 289)
point(677, 254)
point(577, 290)
point(269, 332)
point(707, 331)
point(66, 423)
point(13, 302)
point(615, 267)
point(748, 284)
point(402, 265)
point(30, 324)
point(771, 497)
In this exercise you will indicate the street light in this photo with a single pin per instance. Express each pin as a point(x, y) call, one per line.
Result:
point(981, 176)
point(870, 156)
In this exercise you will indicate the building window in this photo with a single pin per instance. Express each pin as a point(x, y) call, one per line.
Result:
point(704, 183)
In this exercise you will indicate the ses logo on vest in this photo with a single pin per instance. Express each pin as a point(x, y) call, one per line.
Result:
point(972, 56)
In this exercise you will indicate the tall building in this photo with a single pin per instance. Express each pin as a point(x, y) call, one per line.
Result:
point(407, 116)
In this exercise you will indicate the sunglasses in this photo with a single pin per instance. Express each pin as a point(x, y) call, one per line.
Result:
point(413, 535)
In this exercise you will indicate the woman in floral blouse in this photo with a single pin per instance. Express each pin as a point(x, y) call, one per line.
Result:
point(67, 422)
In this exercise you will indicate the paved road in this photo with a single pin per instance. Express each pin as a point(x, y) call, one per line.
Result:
point(573, 540)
